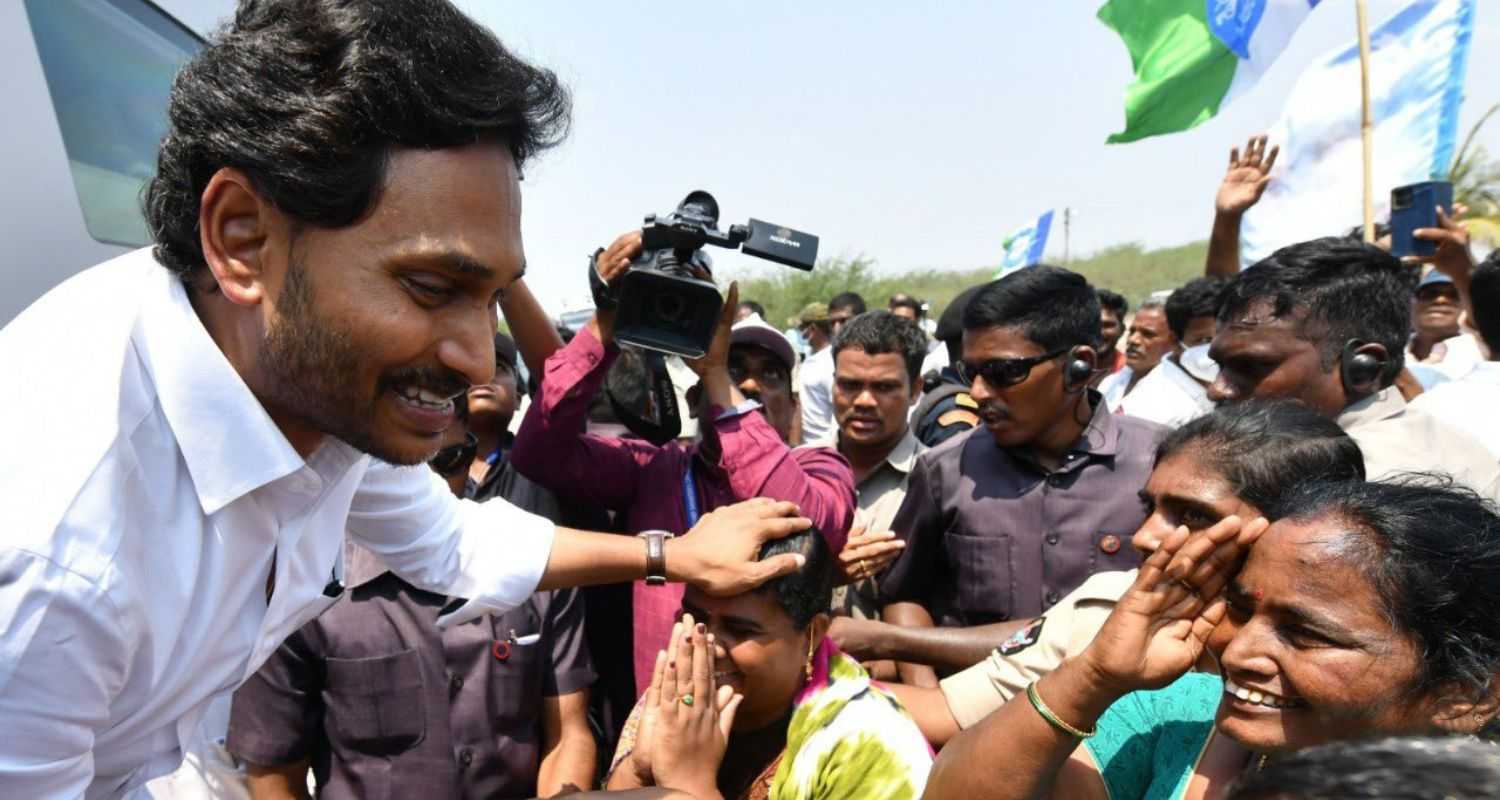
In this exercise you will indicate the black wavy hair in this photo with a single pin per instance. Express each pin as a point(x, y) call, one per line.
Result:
point(849, 300)
point(309, 98)
point(1053, 307)
point(1351, 290)
point(1431, 549)
point(1484, 295)
point(1265, 448)
point(879, 331)
point(1114, 301)
point(808, 592)
point(1197, 298)
point(1412, 768)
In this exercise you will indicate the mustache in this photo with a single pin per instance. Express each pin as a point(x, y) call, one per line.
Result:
point(438, 380)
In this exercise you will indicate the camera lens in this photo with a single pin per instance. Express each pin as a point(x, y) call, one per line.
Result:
point(668, 307)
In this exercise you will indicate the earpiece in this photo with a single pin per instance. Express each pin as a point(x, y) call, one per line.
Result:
point(1359, 369)
point(1076, 375)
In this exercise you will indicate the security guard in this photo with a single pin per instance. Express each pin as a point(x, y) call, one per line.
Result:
point(946, 409)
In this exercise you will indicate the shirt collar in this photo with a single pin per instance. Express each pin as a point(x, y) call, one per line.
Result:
point(904, 455)
point(361, 566)
point(1384, 404)
point(228, 441)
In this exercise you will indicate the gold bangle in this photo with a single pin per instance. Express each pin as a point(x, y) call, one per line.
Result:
point(1052, 719)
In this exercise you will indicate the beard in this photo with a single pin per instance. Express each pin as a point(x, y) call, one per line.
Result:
point(310, 368)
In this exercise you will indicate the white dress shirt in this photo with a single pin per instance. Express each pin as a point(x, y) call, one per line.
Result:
point(816, 376)
point(1468, 404)
point(1168, 396)
point(146, 491)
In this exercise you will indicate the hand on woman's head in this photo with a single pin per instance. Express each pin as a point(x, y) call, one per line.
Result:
point(1161, 626)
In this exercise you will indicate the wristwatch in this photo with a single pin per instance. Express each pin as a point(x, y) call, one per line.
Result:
point(656, 556)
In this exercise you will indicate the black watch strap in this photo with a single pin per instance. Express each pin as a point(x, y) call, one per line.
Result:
point(604, 297)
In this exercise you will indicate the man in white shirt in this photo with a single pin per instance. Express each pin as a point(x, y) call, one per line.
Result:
point(1325, 322)
point(816, 374)
point(1469, 403)
point(1176, 391)
point(1148, 340)
point(191, 432)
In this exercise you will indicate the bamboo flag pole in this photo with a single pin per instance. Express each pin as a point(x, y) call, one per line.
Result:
point(1366, 125)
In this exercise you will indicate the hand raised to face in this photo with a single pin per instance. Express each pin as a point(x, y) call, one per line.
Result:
point(1160, 627)
point(693, 717)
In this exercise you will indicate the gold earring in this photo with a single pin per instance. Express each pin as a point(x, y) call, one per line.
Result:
point(808, 667)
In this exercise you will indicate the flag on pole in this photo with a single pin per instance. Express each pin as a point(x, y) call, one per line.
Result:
point(1418, 59)
point(1193, 56)
point(1026, 246)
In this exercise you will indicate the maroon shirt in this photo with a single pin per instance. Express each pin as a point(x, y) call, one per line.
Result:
point(644, 481)
point(384, 704)
point(992, 536)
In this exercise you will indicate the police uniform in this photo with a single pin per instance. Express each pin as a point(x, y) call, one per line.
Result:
point(945, 411)
point(1035, 650)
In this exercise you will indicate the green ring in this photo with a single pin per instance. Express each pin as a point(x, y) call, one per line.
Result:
point(687, 700)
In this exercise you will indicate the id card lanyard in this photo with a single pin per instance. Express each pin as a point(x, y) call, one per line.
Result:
point(690, 495)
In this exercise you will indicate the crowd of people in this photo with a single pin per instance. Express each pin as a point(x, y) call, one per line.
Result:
point(1239, 541)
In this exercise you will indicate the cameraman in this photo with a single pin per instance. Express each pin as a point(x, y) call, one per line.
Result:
point(741, 453)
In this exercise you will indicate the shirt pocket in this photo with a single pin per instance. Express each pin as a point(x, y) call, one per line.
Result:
point(984, 584)
point(515, 694)
point(377, 704)
point(1112, 552)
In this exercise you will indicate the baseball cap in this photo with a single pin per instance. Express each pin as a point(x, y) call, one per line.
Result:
point(754, 330)
point(1434, 276)
point(813, 312)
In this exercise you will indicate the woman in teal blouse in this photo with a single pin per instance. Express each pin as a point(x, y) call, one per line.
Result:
point(1368, 609)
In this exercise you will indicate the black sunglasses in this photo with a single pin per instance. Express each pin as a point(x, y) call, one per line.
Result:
point(1002, 372)
point(448, 461)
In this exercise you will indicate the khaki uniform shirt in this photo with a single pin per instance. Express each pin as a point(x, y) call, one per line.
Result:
point(1035, 650)
point(879, 496)
point(1396, 437)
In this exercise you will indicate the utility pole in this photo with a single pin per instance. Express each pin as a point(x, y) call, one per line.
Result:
point(1067, 234)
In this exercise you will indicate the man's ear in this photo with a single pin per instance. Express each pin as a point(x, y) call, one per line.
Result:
point(240, 232)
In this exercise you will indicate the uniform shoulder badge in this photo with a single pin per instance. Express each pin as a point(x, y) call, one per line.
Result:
point(963, 400)
point(957, 416)
point(1023, 638)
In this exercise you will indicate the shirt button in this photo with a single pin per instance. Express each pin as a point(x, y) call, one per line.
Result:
point(457, 682)
point(1052, 538)
point(465, 757)
point(1051, 598)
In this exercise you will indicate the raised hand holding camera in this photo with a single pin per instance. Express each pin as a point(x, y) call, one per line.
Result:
point(666, 300)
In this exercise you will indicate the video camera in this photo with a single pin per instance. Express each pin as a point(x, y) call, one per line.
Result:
point(667, 300)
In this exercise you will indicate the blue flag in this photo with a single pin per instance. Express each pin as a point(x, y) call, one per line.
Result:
point(1026, 246)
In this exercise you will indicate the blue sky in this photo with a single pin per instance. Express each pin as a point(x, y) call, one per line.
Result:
point(916, 134)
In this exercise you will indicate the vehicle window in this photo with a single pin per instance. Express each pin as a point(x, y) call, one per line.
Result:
point(109, 66)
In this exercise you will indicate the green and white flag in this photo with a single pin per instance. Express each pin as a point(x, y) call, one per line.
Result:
point(1193, 56)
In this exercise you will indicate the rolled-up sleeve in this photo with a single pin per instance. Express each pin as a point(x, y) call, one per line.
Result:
point(492, 553)
point(759, 464)
point(64, 656)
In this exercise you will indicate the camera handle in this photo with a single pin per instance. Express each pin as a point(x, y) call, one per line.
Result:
point(604, 296)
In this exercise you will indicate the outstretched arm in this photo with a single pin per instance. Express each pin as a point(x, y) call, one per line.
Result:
point(1249, 174)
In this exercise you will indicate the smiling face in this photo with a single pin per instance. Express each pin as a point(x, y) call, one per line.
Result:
point(1150, 338)
point(1184, 491)
point(1434, 311)
point(758, 651)
point(871, 397)
point(1263, 356)
point(374, 327)
point(1307, 650)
